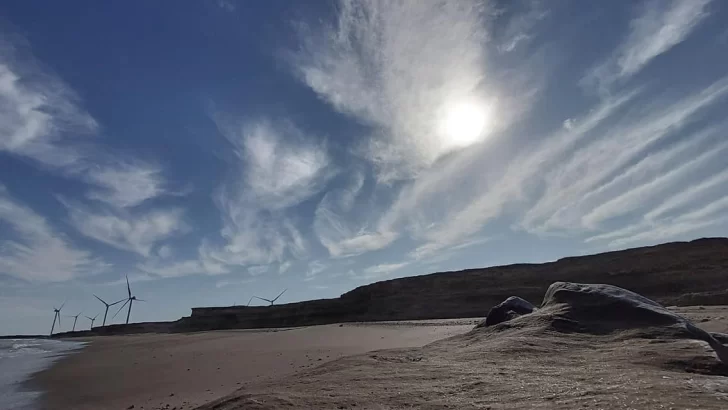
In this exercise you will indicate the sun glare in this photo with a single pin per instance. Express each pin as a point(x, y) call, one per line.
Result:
point(465, 124)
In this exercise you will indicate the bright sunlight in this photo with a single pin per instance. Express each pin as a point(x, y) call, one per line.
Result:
point(465, 123)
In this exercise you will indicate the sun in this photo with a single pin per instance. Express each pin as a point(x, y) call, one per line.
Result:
point(464, 124)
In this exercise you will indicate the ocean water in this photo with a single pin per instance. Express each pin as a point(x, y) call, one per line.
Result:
point(19, 359)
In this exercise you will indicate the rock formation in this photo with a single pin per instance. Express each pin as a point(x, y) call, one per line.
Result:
point(601, 309)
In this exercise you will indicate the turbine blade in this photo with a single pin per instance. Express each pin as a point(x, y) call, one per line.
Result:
point(102, 301)
point(128, 288)
point(117, 302)
point(64, 304)
point(258, 297)
point(120, 309)
point(140, 300)
point(251, 299)
point(279, 295)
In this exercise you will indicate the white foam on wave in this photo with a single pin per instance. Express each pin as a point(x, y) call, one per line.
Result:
point(20, 359)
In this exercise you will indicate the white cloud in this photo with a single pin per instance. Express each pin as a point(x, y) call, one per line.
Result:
point(39, 114)
point(126, 184)
point(669, 228)
point(574, 186)
point(38, 252)
point(258, 270)
point(283, 267)
point(693, 194)
point(233, 282)
point(341, 224)
point(138, 232)
point(314, 268)
point(252, 237)
point(382, 270)
point(279, 168)
point(663, 181)
point(172, 269)
point(661, 26)
point(397, 67)
point(280, 165)
point(227, 5)
point(519, 29)
point(165, 252)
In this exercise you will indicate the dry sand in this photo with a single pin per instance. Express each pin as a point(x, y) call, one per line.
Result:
point(164, 371)
point(524, 364)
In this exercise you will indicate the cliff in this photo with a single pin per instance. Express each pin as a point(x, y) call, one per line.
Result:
point(678, 273)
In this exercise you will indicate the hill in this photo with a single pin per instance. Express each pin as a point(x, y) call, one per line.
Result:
point(678, 273)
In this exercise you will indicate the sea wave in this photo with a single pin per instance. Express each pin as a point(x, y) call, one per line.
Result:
point(20, 359)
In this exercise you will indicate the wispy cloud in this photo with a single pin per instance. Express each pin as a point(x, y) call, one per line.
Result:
point(39, 114)
point(660, 26)
point(138, 232)
point(279, 167)
point(396, 67)
point(126, 184)
point(314, 268)
point(382, 270)
point(651, 231)
point(519, 29)
point(573, 187)
point(283, 267)
point(233, 282)
point(36, 251)
point(343, 224)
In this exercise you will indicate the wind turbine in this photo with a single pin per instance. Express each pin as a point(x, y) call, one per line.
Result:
point(57, 316)
point(92, 321)
point(75, 319)
point(108, 305)
point(130, 300)
point(271, 301)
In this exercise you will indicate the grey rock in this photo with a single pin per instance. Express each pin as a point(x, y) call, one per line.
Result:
point(601, 308)
point(509, 309)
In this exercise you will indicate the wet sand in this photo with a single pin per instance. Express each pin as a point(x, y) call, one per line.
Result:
point(164, 371)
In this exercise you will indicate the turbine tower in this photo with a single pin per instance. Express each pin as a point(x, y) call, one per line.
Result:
point(75, 319)
point(92, 321)
point(269, 300)
point(56, 316)
point(129, 300)
point(108, 305)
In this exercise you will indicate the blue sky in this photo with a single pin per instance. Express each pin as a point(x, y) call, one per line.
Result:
point(220, 149)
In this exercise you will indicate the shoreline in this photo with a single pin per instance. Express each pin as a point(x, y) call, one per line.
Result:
point(186, 370)
point(22, 359)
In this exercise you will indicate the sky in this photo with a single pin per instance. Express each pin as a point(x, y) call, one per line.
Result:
point(216, 150)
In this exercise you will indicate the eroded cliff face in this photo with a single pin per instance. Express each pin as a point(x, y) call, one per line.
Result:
point(679, 273)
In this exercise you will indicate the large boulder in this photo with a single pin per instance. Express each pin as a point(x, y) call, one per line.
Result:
point(600, 308)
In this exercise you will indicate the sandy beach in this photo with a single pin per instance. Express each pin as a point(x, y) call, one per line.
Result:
point(164, 371)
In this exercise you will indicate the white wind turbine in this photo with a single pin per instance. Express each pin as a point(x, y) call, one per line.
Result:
point(108, 305)
point(269, 300)
point(92, 319)
point(75, 319)
point(56, 316)
point(129, 300)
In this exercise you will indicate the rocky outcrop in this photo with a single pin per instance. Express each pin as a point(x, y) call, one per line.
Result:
point(510, 308)
point(601, 309)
